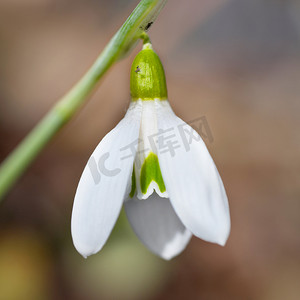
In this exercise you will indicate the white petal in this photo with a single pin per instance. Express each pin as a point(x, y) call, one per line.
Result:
point(104, 184)
point(192, 181)
point(157, 225)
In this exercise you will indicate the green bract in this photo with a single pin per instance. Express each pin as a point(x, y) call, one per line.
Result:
point(147, 76)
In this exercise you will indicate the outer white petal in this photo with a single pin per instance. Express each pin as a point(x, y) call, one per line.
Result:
point(192, 181)
point(157, 225)
point(97, 204)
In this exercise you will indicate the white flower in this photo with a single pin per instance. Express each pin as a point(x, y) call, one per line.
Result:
point(159, 167)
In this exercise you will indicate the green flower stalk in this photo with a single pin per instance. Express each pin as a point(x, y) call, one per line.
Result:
point(122, 42)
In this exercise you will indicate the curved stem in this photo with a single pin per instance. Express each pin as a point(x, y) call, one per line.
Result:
point(145, 37)
point(122, 42)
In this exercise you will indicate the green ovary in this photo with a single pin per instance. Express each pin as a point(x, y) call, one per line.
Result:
point(151, 172)
point(147, 76)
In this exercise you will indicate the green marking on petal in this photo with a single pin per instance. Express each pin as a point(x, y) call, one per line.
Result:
point(147, 76)
point(133, 183)
point(151, 172)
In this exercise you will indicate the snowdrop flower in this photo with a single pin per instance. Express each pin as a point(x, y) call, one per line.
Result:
point(158, 167)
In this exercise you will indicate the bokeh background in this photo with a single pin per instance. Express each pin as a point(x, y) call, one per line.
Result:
point(236, 62)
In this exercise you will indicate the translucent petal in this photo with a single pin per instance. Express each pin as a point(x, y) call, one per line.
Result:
point(157, 225)
point(104, 184)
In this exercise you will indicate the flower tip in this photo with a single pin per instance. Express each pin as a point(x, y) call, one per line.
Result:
point(167, 258)
point(168, 255)
point(222, 242)
point(86, 254)
point(223, 238)
point(171, 251)
point(85, 251)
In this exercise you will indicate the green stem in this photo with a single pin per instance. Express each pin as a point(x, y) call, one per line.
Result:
point(145, 37)
point(122, 42)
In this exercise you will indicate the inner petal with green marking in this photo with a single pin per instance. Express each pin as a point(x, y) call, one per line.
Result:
point(151, 172)
point(150, 179)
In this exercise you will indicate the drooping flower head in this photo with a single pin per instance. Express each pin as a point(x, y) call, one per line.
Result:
point(158, 167)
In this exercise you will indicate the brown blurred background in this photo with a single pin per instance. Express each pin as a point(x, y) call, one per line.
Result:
point(236, 62)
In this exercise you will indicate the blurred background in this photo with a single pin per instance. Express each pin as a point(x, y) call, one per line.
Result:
point(236, 62)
